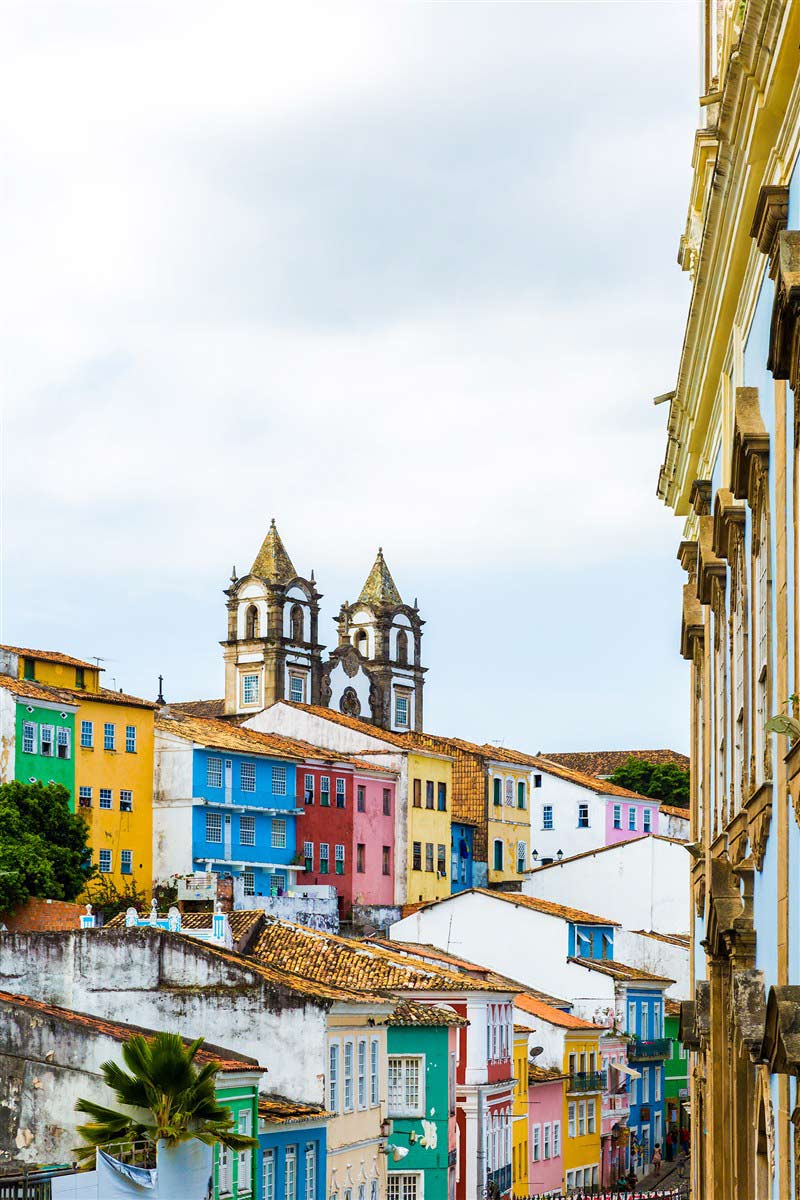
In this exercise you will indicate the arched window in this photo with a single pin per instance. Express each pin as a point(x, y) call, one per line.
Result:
point(297, 622)
point(251, 622)
point(362, 642)
point(402, 647)
point(498, 854)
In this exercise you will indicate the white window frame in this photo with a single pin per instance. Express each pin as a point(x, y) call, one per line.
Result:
point(583, 815)
point(401, 710)
point(591, 1116)
point(536, 1143)
point(311, 1171)
point(361, 1073)
point(334, 1076)
point(617, 816)
point(268, 1176)
point(404, 1185)
point(632, 822)
point(374, 1072)
point(106, 798)
point(278, 780)
point(225, 1178)
point(348, 1076)
point(400, 1068)
point(109, 735)
point(297, 683)
point(581, 1118)
point(63, 738)
point(244, 1177)
point(251, 688)
point(47, 737)
point(556, 1139)
point(278, 833)
point(126, 798)
point(214, 772)
point(571, 1119)
point(212, 819)
point(308, 789)
point(247, 776)
point(290, 1173)
point(546, 1140)
point(105, 856)
point(247, 826)
point(87, 735)
point(30, 737)
point(548, 821)
point(130, 739)
point(647, 820)
point(126, 858)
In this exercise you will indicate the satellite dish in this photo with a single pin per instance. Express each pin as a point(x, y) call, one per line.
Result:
point(535, 1051)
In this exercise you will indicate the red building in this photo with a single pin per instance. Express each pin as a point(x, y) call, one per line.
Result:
point(347, 829)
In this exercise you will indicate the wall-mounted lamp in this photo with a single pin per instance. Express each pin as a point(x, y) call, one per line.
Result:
point(559, 855)
point(535, 856)
point(396, 1153)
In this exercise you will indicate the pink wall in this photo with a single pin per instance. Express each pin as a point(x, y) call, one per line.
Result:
point(625, 833)
point(545, 1103)
point(373, 829)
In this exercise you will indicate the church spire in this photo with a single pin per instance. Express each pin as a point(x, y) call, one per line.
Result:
point(379, 588)
point(272, 562)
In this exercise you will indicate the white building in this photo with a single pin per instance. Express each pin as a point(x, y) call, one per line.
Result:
point(643, 884)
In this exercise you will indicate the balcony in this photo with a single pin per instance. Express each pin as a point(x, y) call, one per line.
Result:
point(638, 1051)
point(501, 1180)
point(587, 1081)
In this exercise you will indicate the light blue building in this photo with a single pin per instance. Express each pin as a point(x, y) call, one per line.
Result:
point(462, 843)
point(225, 802)
point(292, 1150)
point(648, 1051)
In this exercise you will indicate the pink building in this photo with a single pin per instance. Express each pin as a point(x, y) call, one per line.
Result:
point(616, 1109)
point(545, 1111)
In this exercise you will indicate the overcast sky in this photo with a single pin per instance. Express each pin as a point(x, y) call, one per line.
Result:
point(396, 274)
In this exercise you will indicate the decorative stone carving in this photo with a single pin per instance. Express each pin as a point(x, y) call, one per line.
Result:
point(749, 1004)
point(728, 518)
point(769, 220)
point(759, 817)
point(750, 448)
point(687, 1030)
point(764, 1115)
point(792, 760)
point(700, 497)
point(350, 704)
point(710, 568)
point(784, 351)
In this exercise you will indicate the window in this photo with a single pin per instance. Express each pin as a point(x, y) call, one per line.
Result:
point(249, 689)
point(657, 1083)
point(537, 1142)
point(631, 1018)
point(297, 689)
point(130, 739)
point(268, 1175)
point(618, 816)
point(105, 797)
point(387, 802)
point(361, 801)
point(581, 1118)
point(570, 1180)
point(441, 861)
point(429, 856)
point(556, 1138)
point(125, 800)
point(522, 794)
point(590, 1115)
point(279, 833)
point(405, 1086)
point(308, 855)
point(645, 1085)
point(348, 1077)
point(278, 781)
point(583, 816)
point(429, 793)
point(325, 791)
point(214, 772)
point(498, 855)
point(85, 797)
point(311, 1171)
point(63, 743)
point(571, 1120)
point(402, 1187)
point(760, 540)
point(214, 827)
point(324, 858)
point(647, 818)
point(308, 789)
point(497, 796)
point(657, 1029)
point(87, 735)
point(251, 623)
point(225, 1170)
point(401, 711)
point(46, 741)
point(546, 1140)
point(333, 1077)
point(402, 647)
point(340, 797)
point(360, 858)
point(632, 819)
point(249, 882)
point(374, 1073)
point(247, 777)
point(510, 793)
point(290, 1173)
point(522, 856)
point(441, 797)
point(338, 858)
point(247, 830)
point(105, 861)
point(386, 861)
point(109, 736)
point(28, 668)
point(126, 862)
point(547, 816)
point(416, 856)
point(362, 1073)
point(417, 793)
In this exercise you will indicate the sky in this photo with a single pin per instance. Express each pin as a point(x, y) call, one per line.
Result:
point(397, 274)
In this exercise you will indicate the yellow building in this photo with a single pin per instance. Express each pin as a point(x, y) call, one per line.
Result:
point(520, 1171)
point(430, 789)
point(113, 752)
point(583, 1090)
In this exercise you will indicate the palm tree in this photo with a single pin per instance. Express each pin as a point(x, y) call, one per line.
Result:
point(174, 1100)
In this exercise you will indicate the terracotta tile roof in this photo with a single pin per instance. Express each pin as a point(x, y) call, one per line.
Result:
point(54, 656)
point(656, 837)
point(409, 1013)
point(548, 907)
point(243, 922)
point(346, 962)
point(675, 939)
point(579, 778)
point(222, 735)
point(621, 971)
point(199, 708)
point(672, 1008)
point(278, 1110)
point(672, 810)
point(545, 1074)
point(523, 1029)
point(605, 762)
point(384, 735)
point(121, 1032)
point(486, 752)
point(64, 695)
point(555, 1016)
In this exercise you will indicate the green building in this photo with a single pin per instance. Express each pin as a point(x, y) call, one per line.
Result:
point(676, 1071)
point(422, 1054)
point(235, 1174)
point(37, 733)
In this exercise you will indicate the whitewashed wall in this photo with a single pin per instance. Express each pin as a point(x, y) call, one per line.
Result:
point(565, 835)
point(660, 958)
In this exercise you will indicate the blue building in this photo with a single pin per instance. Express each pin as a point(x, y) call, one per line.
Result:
point(292, 1149)
point(462, 841)
point(648, 1051)
point(590, 941)
point(225, 802)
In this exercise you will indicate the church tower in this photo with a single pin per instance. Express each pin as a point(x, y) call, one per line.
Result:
point(376, 670)
point(272, 651)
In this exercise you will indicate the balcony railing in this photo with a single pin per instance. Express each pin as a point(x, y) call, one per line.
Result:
point(501, 1178)
point(587, 1081)
point(657, 1048)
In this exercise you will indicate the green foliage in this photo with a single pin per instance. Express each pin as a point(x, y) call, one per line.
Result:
point(43, 845)
point(106, 896)
point(669, 784)
point(173, 1100)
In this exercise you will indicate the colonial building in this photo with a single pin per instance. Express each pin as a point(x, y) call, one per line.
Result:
point(730, 473)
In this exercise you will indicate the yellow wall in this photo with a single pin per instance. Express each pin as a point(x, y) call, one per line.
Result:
point(519, 1130)
point(581, 1151)
point(56, 674)
point(117, 769)
point(355, 1135)
point(428, 826)
point(508, 823)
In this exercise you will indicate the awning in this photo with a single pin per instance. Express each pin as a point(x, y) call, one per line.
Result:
point(626, 1070)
